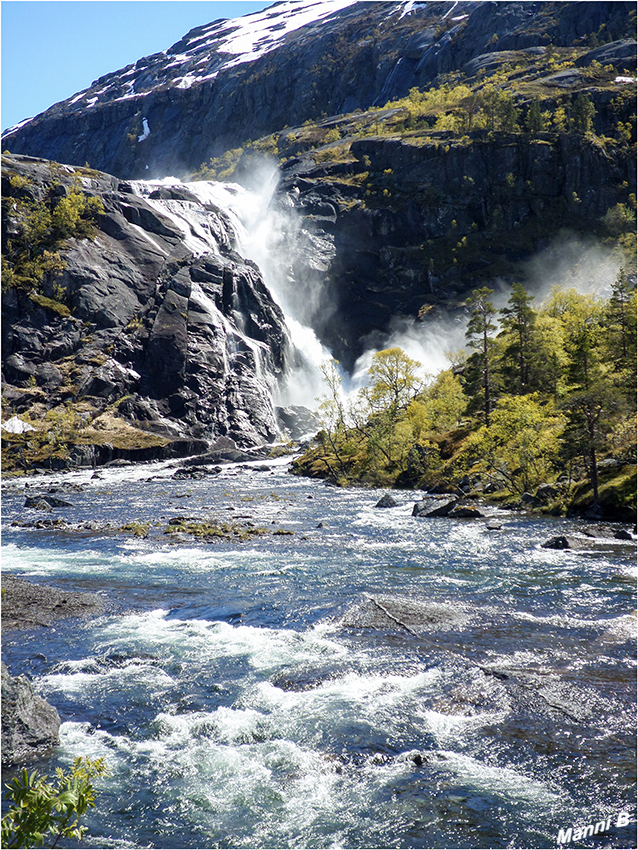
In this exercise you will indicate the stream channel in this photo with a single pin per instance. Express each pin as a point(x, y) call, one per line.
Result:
point(360, 679)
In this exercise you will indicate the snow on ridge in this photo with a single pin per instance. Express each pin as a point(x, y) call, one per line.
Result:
point(221, 44)
point(261, 32)
point(16, 127)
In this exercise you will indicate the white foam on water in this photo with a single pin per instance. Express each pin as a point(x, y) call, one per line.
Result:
point(205, 641)
point(35, 561)
point(506, 782)
point(105, 681)
point(619, 629)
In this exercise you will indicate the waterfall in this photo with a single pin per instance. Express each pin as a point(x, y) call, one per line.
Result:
point(217, 217)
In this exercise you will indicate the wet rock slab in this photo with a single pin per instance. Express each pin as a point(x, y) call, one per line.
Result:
point(27, 606)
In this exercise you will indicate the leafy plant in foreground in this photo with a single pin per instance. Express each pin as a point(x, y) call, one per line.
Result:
point(42, 809)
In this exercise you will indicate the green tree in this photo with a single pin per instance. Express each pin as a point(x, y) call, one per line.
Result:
point(518, 320)
point(394, 381)
point(445, 402)
point(583, 111)
point(534, 117)
point(333, 412)
point(394, 384)
point(520, 448)
point(479, 333)
point(41, 809)
point(507, 113)
point(43, 226)
point(621, 327)
point(592, 400)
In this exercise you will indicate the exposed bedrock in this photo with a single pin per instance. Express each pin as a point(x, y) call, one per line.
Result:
point(29, 724)
point(171, 111)
point(138, 326)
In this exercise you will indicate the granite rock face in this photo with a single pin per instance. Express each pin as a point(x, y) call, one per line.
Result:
point(181, 334)
point(209, 92)
point(30, 725)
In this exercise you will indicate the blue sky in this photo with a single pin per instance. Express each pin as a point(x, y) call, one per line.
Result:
point(52, 49)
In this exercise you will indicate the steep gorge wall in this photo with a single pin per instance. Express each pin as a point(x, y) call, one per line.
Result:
point(414, 225)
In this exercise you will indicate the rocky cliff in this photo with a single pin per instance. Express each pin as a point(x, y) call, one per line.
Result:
point(146, 327)
point(416, 224)
point(230, 81)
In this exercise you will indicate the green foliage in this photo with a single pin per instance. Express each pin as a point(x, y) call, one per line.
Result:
point(520, 448)
point(44, 227)
point(479, 334)
point(394, 381)
point(211, 530)
point(620, 339)
point(560, 394)
point(219, 167)
point(583, 112)
point(50, 304)
point(43, 809)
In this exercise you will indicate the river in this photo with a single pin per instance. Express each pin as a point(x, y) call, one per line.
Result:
point(360, 679)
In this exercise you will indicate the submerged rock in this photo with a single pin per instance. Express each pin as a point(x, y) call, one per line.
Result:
point(409, 615)
point(30, 726)
point(26, 605)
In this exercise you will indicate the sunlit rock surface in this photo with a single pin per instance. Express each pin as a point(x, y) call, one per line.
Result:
point(167, 319)
point(232, 80)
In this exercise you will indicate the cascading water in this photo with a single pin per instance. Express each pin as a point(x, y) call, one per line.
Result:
point(216, 216)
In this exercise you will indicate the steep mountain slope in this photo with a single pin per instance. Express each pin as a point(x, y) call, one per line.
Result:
point(134, 329)
point(230, 81)
point(415, 225)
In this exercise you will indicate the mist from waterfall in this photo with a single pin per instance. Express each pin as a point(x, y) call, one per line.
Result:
point(569, 262)
point(262, 228)
point(267, 234)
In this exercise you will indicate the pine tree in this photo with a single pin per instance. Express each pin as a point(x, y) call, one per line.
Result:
point(621, 314)
point(583, 111)
point(480, 330)
point(518, 327)
point(592, 400)
point(534, 118)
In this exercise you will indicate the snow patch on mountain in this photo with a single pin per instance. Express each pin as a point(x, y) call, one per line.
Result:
point(207, 50)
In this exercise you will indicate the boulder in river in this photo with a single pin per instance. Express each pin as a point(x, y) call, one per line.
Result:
point(565, 541)
point(46, 502)
point(433, 507)
point(466, 512)
point(30, 726)
point(387, 501)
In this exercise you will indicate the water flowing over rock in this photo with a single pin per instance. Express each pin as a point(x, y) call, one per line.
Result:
point(159, 314)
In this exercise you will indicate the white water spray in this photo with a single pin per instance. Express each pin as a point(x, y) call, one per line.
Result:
point(265, 235)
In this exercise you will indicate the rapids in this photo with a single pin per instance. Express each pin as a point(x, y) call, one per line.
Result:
point(369, 680)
